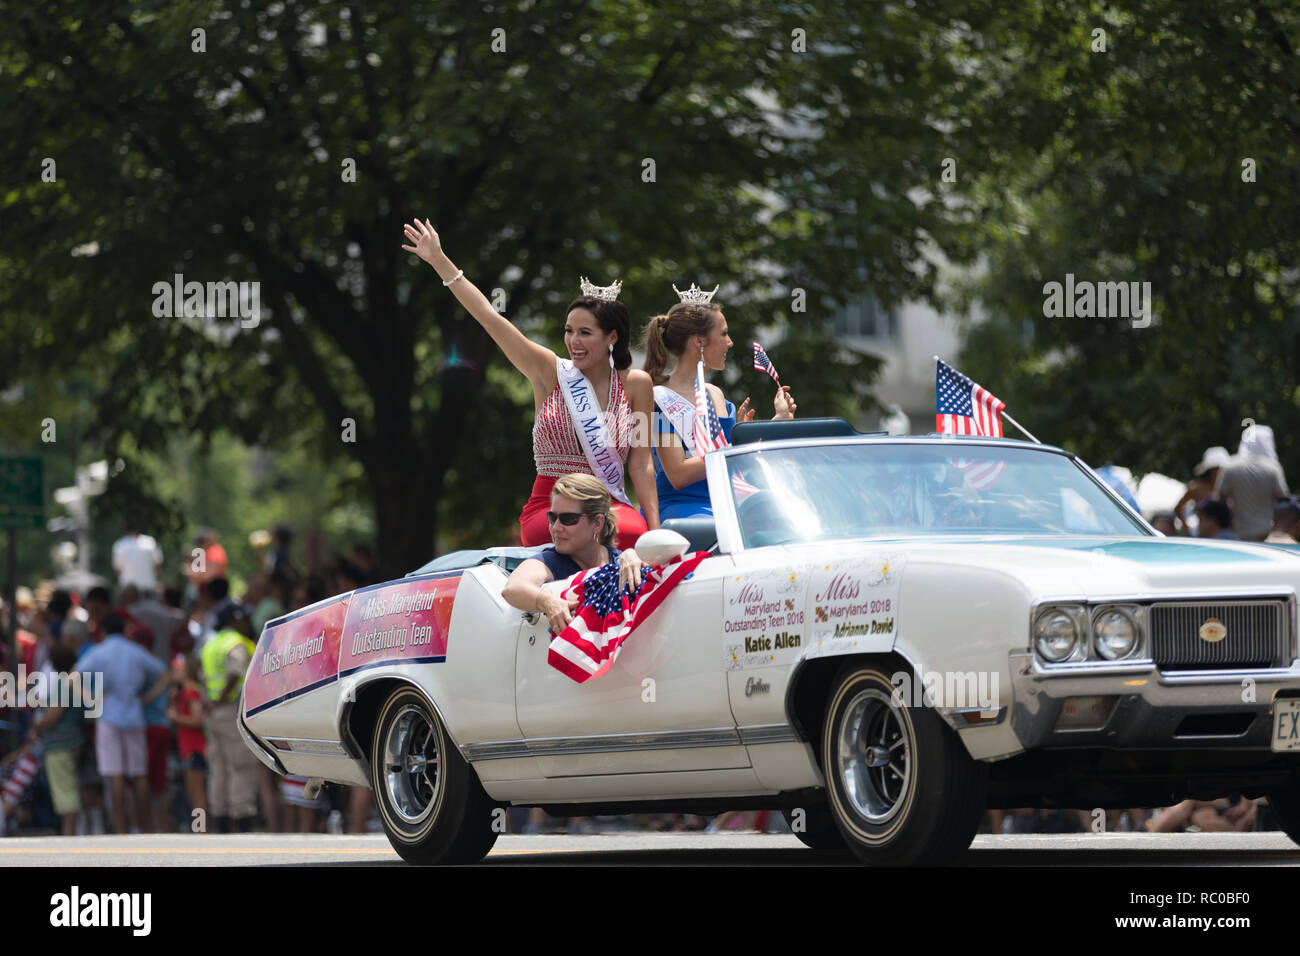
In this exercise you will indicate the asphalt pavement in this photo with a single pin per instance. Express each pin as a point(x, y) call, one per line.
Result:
point(648, 849)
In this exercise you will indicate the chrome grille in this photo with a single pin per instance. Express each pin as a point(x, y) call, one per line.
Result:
point(1256, 635)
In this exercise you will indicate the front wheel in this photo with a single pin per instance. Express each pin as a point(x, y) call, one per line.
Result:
point(815, 828)
point(901, 787)
point(432, 805)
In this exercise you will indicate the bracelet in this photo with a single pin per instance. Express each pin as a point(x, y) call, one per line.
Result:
point(455, 277)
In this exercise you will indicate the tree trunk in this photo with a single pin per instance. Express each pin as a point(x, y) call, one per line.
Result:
point(406, 515)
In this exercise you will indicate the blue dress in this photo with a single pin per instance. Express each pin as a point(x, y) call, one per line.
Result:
point(693, 500)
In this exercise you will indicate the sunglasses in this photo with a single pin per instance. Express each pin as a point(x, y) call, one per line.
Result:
point(566, 518)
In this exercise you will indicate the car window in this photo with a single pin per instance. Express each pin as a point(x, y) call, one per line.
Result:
point(817, 492)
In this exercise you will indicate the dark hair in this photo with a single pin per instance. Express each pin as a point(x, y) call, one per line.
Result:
point(611, 317)
point(62, 659)
point(1217, 511)
point(217, 588)
point(347, 570)
point(1287, 510)
point(60, 603)
point(173, 596)
point(668, 334)
point(229, 615)
point(98, 593)
point(112, 623)
point(282, 586)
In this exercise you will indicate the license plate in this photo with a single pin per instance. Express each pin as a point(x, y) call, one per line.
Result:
point(1286, 725)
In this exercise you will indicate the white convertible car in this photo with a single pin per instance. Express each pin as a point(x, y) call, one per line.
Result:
point(889, 636)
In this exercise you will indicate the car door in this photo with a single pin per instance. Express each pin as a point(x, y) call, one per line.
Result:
point(661, 708)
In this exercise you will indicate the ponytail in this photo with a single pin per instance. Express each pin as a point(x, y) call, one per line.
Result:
point(668, 334)
point(656, 352)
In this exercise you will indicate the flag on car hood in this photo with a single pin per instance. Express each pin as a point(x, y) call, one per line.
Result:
point(607, 616)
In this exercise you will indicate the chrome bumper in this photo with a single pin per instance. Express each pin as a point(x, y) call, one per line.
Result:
point(260, 750)
point(1149, 707)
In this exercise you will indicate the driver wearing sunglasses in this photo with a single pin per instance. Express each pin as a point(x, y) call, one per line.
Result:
point(583, 530)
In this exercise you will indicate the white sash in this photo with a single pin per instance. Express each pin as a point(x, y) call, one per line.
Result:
point(589, 423)
point(680, 413)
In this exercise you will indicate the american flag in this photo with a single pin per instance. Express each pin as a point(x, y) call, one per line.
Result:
point(20, 778)
point(708, 430)
point(607, 616)
point(964, 408)
point(764, 364)
point(741, 488)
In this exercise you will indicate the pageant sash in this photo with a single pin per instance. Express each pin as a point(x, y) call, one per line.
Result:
point(680, 413)
point(589, 423)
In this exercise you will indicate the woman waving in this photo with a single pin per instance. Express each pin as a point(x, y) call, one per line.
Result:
point(585, 405)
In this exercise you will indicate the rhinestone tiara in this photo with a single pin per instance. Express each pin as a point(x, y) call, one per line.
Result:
point(695, 295)
point(607, 292)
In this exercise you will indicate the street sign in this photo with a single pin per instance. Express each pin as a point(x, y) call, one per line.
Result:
point(22, 493)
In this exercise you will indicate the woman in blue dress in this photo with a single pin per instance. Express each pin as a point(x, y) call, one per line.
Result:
point(690, 332)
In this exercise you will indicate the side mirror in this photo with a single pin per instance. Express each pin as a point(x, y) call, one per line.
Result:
point(661, 546)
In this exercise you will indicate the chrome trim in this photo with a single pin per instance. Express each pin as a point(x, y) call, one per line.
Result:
point(1174, 644)
point(308, 745)
point(1076, 611)
point(725, 519)
point(953, 717)
point(1035, 692)
point(602, 743)
point(1105, 487)
point(758, 734)
point(251, 741)
point(1145, 602)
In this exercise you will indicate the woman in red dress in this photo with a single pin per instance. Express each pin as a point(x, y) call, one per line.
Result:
point(596, 383)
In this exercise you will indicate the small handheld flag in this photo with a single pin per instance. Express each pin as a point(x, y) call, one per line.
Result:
point(764, 364)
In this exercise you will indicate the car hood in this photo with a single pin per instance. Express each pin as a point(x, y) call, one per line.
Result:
point(1088, 565)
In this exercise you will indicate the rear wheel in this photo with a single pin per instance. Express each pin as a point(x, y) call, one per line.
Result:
point(432, 805)
point(901, 786)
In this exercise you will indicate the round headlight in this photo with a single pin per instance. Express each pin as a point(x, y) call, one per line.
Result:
point(1055, 635)
point(1115, 633)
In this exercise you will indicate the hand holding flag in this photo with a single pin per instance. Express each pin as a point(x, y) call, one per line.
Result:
point(764, 364)
point(783, 404)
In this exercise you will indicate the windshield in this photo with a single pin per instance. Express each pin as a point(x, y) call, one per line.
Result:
point(878, 490)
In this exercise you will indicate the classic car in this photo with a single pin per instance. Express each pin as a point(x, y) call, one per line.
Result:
point(888, 636)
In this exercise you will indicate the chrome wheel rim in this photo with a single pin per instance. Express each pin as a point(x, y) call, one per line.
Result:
point(412, 764)
point(875, 756)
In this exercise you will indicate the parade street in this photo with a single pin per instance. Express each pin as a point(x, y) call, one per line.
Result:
point(644, 849)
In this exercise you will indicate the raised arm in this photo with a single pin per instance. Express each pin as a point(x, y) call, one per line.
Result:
point(535, 361)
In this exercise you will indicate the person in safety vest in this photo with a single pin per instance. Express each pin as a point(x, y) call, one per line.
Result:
point(232, 768)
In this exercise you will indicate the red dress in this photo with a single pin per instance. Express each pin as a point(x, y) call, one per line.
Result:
point(190, 740)
point(557, 453)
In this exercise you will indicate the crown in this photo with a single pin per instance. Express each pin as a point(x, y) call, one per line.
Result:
point(607, 292)
point(695, 295)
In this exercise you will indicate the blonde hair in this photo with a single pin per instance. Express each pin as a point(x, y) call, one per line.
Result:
point(589, 492)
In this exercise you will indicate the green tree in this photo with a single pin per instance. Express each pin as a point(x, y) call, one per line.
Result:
point(794, 147)
point(1173, 157)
